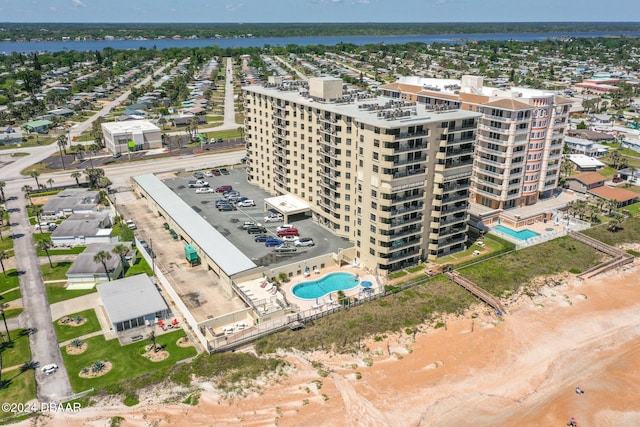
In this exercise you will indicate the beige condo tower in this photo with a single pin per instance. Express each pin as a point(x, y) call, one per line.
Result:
point(391, 176)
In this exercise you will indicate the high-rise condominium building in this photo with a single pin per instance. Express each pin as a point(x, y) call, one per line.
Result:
point(389, 175)
point(520, 135)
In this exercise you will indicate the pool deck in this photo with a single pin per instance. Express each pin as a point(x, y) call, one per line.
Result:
point(328, 300)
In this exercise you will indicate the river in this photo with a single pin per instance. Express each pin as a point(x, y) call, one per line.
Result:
point(57, 46)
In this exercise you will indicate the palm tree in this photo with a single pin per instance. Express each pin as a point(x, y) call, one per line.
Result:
point(3, 256)
point(4, 319)
point(50, 181)
point(45, 245)
point(35, 174)
point(2, 185)
point(152, 338)
point(26, 189)
point(103, 257)
point(2, 211)
point(62, 145)
point(37, 211)
point(76, 175)
point(121, 250)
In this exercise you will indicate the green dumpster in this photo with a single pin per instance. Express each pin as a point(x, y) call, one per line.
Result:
point(191, 255)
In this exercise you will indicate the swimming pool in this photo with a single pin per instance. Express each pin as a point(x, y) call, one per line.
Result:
point(520, 235)
point(332, 282)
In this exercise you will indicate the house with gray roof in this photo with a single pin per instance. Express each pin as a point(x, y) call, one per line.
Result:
point(83, 229)
point(132, 302)
point(70, 201)
point(85, 273)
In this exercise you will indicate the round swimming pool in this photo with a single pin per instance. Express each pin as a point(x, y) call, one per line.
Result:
point(332, 282)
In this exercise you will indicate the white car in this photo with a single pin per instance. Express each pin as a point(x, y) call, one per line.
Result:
point(304, 242)
point(284, 227)
point(204, 190)
point(289, 238)
point(246, 204)
point(131, 224)
point(273, 218)
point(208, 174)
point(49, 369)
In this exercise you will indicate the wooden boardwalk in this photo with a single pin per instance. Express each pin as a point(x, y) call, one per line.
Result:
point(483, 295)
point(619, 257)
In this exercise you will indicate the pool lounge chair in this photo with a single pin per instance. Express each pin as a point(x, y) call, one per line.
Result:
point(315, 270)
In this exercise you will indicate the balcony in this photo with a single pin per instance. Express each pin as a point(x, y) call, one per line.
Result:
point(405, 209)
point(407, 162)
point(407, 135)
point(486, 172)
point(403, 233)
point(460, 152)
point(452, 219)
point(487, 161)
point(409, 173)
point(403, 148)
point(328, 185)
point(397, 222)
point(443, 243)
point(452, 209)
point(455, 197)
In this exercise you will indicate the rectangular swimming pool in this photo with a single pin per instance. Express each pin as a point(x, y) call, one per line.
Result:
point(520, 235)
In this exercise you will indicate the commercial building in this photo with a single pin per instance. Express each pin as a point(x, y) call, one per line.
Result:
point(520, 135)
point(132, 135)
point(391, 176)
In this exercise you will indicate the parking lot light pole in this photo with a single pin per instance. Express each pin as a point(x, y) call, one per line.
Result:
point(153, 261)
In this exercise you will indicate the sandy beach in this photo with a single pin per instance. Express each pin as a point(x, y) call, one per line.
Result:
point(481, 370)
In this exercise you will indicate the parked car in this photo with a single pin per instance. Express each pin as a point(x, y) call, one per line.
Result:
point(44, 225)
point(215, 172)
point(291, 238)
point(229, 194)
point(220, 202)
point(49, 369)
point(256, 229)
point(224, 171)
point(226, 208)
point(260, 238)
point(273, 218)
point(204, 190)
point(245, 203)
point(288, 232)
point(617, 179)
point(285, 248)
point(198, 175)
point(304, 242)
point(272, 241)
point(220, 140)
point(233, 199)
point(208, 174)
point(284, 227)
point(130, 224)
point(248, 224)
point(198, 184)
point(223, 188)
point(143, 243)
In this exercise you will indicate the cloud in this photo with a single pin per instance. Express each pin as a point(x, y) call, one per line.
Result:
point(78, 3)
point(233, 7)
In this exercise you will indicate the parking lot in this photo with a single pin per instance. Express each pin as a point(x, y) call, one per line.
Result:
point(229, 223)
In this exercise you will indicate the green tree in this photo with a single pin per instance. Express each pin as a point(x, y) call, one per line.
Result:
point(4, 306)
point(102, 257)
point(2, 185)
point(50, 181)
point(121, 250)
point(26, 189)
point(76, 175)
point(45, 245)
point(35, 174)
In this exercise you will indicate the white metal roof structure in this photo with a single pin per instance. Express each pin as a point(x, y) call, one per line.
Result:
point(130, 298)
point(229, 258)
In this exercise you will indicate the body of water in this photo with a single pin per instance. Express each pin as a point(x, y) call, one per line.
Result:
point(57, 46)
point(520, 234)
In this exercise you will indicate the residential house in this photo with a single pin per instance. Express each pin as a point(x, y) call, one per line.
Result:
point(83, 229)
point(586, 181)
point(85, 273)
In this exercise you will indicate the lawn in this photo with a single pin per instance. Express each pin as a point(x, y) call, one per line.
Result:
point(127, 361)
point(11, 295)
point(14, 312)
point(10, 281)
point(630, 232)
point(69, 251)
point(402, 311)
point(506, 274)
point(16, 352)
point(38, 236)
point(68, 331)
point(57, 292)
point(21, 389)
point(139, 266)
point(58, 272)
point(6, 243)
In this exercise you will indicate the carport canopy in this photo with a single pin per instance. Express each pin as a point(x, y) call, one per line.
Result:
point(287, 205)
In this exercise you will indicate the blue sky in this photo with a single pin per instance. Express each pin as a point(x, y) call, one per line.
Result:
point(235, 11)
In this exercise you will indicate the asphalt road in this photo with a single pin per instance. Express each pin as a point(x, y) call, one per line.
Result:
point(37, 313)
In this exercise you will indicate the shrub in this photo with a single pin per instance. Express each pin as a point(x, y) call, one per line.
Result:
point(131, 399)
point(77, 343)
